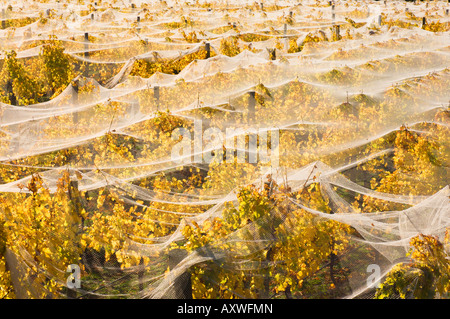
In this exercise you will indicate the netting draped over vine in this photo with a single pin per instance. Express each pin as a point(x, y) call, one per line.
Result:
point(358, 94)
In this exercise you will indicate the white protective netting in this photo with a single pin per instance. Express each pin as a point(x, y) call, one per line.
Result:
point(357, 95)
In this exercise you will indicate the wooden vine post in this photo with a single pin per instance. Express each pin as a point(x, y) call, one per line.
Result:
point(156, 96)
point(208, 50)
